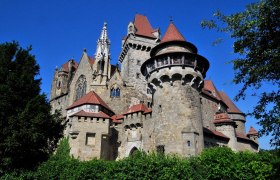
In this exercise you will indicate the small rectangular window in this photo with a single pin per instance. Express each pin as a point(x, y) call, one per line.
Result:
point(189, 143)
point(138, 62)
point(160, 149)
point(137, 75)
point(90, 139)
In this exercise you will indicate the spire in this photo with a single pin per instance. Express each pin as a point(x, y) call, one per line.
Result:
point(104, 36)
point(103, 44)
point(172, 34)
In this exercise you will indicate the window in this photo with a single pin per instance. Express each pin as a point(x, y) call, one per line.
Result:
point(81, 87)
point(58, 84)
point(100, 66)
point(138, 62)
point(115, 92)
point(90, 139)
point(189, 143)
point(137, 75)
point(160, 149)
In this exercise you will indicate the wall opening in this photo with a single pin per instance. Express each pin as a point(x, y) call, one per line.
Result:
point(90, 139)
point(133, 151)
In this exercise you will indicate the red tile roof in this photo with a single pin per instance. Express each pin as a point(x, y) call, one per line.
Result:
point(215, 133)
point(149, 110)
point(89, 98)
point(143, 26)
point(252, 131)
point(222, 118)
point(241, 136)
point(172, 34)
point(100, 114)
point(91, 60)
point(232, 108)
point(209, 86)
point(117, 118)
point(137, 108)
point(65, 66)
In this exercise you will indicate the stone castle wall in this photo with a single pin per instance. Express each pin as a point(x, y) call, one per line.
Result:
point(95, 130)
point(209, 108)
point(136, 50)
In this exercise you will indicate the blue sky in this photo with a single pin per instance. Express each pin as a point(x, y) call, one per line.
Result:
point(60, 30)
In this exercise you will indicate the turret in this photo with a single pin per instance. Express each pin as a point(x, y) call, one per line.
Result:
point(226, 126)
point(253, 135)
point(234, 113)
point(136, 47)
point(175, 74)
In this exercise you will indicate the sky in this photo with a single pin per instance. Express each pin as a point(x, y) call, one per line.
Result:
point(59, 30)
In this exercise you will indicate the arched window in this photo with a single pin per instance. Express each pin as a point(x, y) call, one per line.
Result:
point(115, 92)
point(100, 66)
point(81, 87)
point(118, 92)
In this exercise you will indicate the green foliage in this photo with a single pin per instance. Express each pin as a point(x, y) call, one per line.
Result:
point(214, 163)
point(29, 133)
point(256, 34)
point(223, 163)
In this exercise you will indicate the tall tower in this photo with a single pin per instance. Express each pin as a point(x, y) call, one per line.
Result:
point(175, 74)
point(136, 47)
point(102, 57)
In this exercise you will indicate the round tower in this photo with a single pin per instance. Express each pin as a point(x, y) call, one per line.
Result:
point(175, 74)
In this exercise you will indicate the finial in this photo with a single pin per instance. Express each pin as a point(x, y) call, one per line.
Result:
point(85, 50)
point(171, 20)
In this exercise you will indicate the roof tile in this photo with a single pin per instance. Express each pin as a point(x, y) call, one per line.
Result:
point(143, 26)
point(65, 66)
point(209, 86)
point(91, 60)
point(89, 98)
point(215, 133)
point(117, 118)
point(99, 114)
point(252, 131)
point(137, 108)
point(222, 118)
point(241, 136)
point(232, 108)
point(172, 34)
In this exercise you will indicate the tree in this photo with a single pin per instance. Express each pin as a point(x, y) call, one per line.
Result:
point(256, 34)
point(29, 132)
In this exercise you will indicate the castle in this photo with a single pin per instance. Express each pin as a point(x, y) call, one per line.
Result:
point(157, 102)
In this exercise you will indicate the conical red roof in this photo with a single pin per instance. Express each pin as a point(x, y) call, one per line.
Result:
point(89, 98)
point(143, 26)
point(252, 131)
point(172, 34)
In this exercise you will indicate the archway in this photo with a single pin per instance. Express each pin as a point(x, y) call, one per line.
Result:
point(133, 151)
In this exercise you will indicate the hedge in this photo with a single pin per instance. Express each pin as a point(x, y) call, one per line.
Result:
point(213, 163)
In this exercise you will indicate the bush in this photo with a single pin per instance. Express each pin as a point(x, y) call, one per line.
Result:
point(213, 163)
